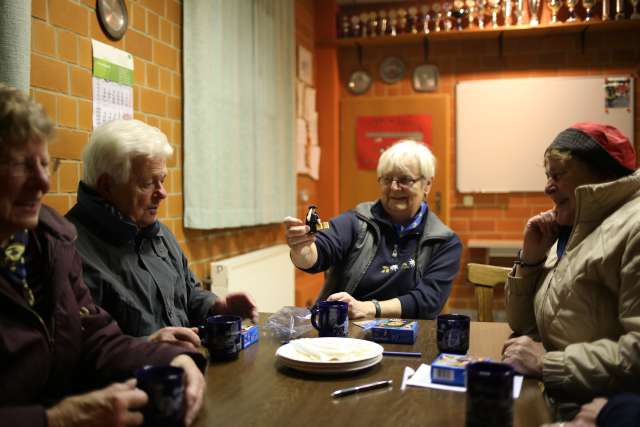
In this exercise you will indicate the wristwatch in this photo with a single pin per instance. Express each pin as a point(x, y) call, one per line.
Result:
point(519, 261)
point(378, 308)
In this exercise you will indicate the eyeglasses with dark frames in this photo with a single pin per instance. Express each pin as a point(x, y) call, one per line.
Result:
point(404, 181)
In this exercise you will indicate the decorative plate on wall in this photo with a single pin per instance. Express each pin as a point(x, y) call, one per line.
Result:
point(392, 69)
point(359, 82)
point(113, 17)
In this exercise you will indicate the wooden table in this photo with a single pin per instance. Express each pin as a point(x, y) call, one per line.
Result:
point(256, 391)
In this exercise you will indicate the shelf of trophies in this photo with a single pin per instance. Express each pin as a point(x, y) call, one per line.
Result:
point(480, 19)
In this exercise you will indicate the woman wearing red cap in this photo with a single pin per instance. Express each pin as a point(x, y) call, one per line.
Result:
point(574, 294)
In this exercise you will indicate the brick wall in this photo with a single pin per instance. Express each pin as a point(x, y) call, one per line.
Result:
point(307, 285)
point(61, 64)
point(500, 216)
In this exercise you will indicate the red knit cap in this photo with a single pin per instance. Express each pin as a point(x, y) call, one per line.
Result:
point(603, 147)
point(611, 139)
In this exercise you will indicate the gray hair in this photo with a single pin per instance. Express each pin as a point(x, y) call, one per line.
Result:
point(400, 154)
point(22, 119)
point(115, 144)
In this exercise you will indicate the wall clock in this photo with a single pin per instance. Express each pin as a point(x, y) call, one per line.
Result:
point(113, 17)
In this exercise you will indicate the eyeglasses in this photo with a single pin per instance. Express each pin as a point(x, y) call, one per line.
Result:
point(404, 181)
point(21, 168)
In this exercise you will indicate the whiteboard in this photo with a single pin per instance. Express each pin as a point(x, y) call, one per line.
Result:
point(503, 127)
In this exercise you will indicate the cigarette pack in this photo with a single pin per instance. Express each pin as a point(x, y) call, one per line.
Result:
point(450, 369)
point(396, 331)
point(250, 335)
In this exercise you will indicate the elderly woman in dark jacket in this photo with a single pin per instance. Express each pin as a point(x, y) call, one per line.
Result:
point(388, 258)
point(55, 343)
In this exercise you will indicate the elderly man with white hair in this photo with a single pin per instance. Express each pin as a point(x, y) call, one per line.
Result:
point(388, 258)
point(132, 263)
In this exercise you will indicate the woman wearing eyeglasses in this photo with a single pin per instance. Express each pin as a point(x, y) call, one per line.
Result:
point(55, 344)
point(389, 258)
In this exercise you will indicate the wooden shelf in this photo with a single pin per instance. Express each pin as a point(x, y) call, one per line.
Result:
point(511, 32)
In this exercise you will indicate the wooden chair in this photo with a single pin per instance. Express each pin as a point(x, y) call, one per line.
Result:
point(484, 277)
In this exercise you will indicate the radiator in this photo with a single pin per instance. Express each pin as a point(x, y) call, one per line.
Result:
point(267, 275)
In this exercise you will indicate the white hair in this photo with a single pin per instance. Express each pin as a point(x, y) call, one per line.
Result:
point(115, 144)
point(402, 153)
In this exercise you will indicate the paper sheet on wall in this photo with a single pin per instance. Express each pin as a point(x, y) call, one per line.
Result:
point(112, 83)
point(309, 102)
point(314, 162)
point(313, 129)
point(301, 159)
point(299, 98)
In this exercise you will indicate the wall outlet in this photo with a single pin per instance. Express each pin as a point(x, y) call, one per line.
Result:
point(467, 201)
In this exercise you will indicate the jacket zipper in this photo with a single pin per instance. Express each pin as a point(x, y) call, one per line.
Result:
point(49, 335)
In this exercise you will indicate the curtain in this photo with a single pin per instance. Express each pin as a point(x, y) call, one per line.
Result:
point(239, 166)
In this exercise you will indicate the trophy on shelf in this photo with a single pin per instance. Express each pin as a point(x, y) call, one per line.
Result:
point(437, 9)
point(373, 24)
point(555, 6)
point(458, 12)
point(507, 9)
point(482, 9)
point(393, 23)
point(446, 8)
point(412, 20)
point(519, 12)
point(634, 10)
point(355, 26)
point(605, 10)
point(588, 5)
point(364, 24)
point(471, 7)
point(494, 7)
point(424, 12)
point(383, 22)
point(344, 26)
point(619, 10)
point(534, 6)
point(402, 21)
point(571, 5)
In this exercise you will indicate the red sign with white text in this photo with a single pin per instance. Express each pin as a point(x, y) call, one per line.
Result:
point(375, 133)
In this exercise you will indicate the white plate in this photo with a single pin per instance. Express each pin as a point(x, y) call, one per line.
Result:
point(330, 370)
point(368, 354)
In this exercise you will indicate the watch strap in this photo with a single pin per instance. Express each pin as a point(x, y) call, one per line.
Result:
point(520, 262)
point(376, 303)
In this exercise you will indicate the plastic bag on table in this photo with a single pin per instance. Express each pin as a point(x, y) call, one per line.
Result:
point(288, 323)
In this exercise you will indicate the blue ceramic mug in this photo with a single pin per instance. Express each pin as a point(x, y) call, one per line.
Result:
point(165, 387)
point(331, 318)
point(221, 334)
point(453, 333)
point(489, 395)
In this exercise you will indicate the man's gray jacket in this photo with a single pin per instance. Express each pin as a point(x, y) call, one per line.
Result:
point(141, 277)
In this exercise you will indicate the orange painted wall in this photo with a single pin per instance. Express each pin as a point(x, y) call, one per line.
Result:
point(61, 64)
point(61, 81)
point(500, 216)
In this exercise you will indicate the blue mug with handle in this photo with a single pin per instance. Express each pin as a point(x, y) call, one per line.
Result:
point(164, 386)
point(453, 333)
point(331, 318)
point(221, 334)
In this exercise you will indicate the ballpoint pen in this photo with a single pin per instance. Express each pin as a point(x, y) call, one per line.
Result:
point(402, 353)
point(364, 387)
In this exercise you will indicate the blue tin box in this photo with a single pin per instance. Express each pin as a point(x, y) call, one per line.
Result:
point(395, 331)
point(250, 335)
point(450, 369)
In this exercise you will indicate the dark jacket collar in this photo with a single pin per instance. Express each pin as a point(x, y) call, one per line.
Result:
point(103, 218)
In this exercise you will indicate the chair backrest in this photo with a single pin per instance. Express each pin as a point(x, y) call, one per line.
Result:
point(484, 277)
